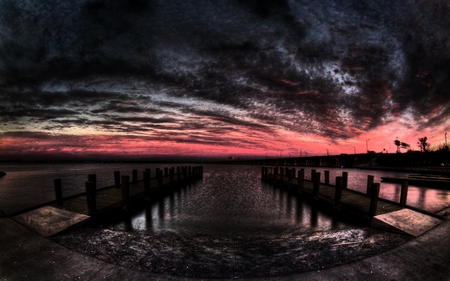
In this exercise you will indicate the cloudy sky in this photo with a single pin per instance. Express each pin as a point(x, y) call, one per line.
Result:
point(158, 78)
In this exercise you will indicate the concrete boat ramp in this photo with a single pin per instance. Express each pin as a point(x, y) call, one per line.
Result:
point(406, 221)
point(49, 221)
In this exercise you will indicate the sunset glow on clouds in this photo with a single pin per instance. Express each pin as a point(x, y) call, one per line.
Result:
point(115, 79)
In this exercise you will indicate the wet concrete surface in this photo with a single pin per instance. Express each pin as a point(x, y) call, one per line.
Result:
point(26, 255)
point(49, 221)
point(230, 256)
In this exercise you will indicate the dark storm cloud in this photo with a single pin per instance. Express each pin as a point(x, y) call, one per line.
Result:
point(333, 68)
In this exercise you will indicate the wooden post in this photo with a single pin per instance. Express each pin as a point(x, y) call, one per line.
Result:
point(125, 188)
point(189, 171)
point(58, 192)
point(301, 179)
point(134, 176)
point(178, 173)
point(327, 177)
point(289, 174)
point(338, 193)
point(262, 172)
point(117, 179)
point(369, 185)
point(344, 180)
point(147, 183)
point(159, 176)
point(90, 197)
point(93, 178)
point(275, 173)
point(313, 171)
point(404, 193)
point(316, 185)
point(171, 175)
point(281, 173)
point(166, 170)
point(374, 199)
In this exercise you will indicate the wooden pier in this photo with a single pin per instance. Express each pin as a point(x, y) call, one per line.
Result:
point(98, 202)
point(363, 206)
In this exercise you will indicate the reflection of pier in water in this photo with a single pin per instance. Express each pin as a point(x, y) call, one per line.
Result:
point(353, 204)
point(176, 213)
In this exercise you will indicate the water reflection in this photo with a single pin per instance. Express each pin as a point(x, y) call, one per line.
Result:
point(229, 201)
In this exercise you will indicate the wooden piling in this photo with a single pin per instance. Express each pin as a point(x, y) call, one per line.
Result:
point(125, 188)
point(289, 174)
point(58, 192)
point(159, 176)
point(135, 176)
point(117, 179)
point(313, 171)
point(90, 197)
point(316, 184)
point(147, 183)
point(404, 193)
point(374, 199)
point(93, 178)
point(300, 180)
point(369, 185)
point(344, 180)
point(171, 172)
point(178, 174)
point(338, 193)
point(166, 171)
point(327, 177)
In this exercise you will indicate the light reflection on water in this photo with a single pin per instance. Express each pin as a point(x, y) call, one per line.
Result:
point(230, 200)
point(429, 199)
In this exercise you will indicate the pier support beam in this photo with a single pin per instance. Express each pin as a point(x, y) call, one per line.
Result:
point(316, 184)
point(135, 176)
point(117, 179)
point(338, 193)
point(344, 180)
point(90, 197)
point(369, 185)
point(171, 172)
point(125, 188)
point(327, 177)
point(93, 178)
point(147, 183)
point(374, 199)
point(404, 193)
point(300, 180)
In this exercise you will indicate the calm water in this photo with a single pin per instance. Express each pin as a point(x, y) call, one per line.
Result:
point(227, 195)
point(231, 200)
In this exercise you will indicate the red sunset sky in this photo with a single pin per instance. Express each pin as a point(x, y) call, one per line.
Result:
point(127, 79)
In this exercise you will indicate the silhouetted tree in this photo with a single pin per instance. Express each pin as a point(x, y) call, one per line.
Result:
point(423, 144)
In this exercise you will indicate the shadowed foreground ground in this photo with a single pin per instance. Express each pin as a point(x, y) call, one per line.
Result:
point(242, 254)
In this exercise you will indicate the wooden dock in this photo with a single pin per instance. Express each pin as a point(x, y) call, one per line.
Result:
point(99, 202)
point(361, 206)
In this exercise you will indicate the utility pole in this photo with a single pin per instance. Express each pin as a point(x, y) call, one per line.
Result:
point(367, 145)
